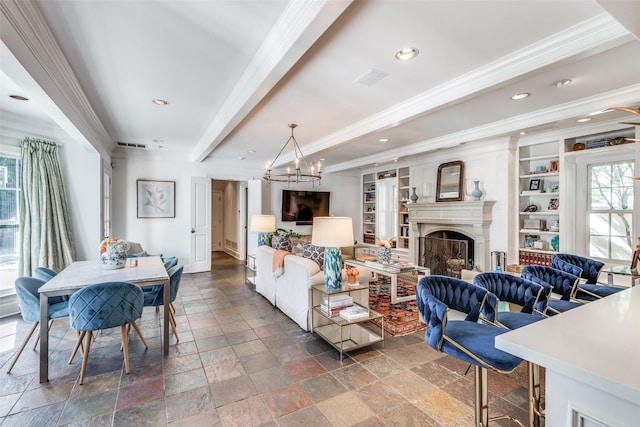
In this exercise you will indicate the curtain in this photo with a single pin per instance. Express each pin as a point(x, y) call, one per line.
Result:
point(45, 225)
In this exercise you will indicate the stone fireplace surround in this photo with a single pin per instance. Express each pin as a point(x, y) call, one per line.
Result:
point(471, 218)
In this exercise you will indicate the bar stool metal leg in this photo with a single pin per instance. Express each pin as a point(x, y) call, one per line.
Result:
point(535, 408)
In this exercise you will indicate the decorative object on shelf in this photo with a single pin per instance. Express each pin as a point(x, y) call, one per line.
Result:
point(541, 169)
point(156, 199)
point(476, 193)
point(414, 195)
point(535, 184)
point(553, 204)
point(578, 146)
point(554, 226)
point(311, 173)
point(449, 184)
point(530, 239)
point(554, 166)
point(352, 274)
point(555, 243)
point(534, 224)
point(531, 207)
point(263, 225)
point(332, 233)
point(113, 253)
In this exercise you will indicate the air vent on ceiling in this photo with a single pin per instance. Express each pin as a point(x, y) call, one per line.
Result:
point(371, 77)
point(131, 145)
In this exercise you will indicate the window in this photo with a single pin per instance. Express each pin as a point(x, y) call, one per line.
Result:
point(610, 211)
point(9, 220)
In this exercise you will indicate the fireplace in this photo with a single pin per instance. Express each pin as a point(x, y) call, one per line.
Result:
point(446, 252)
point(471, 220)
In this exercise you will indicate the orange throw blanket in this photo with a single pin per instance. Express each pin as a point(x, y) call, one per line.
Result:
point(278, 262)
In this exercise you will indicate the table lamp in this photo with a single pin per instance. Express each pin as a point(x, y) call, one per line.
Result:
point(263, 225)
point(332, 233)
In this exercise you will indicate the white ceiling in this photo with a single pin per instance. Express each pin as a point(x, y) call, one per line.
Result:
point(237, 72)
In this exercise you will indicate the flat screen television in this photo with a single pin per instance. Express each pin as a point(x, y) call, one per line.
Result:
point(302, 206)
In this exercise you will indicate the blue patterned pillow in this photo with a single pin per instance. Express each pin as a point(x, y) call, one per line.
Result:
point(281, 242)
point(315, 253)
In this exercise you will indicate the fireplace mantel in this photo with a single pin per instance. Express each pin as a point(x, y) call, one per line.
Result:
point(470, 218)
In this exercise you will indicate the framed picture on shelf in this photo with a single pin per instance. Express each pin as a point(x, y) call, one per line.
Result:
point(530, 240)
point(554, 166)
point(634, 261)
point(156, 199)
point(553, 204)
point(535, 184)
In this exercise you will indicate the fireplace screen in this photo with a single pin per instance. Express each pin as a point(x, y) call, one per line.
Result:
point(446, 256)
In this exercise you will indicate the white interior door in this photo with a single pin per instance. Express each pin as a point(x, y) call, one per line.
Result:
point(216, 221)
point(200, 224)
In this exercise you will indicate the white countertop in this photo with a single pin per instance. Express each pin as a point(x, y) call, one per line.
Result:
point(597, 344)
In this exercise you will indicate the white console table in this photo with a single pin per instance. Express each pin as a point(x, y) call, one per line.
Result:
point(591, 355)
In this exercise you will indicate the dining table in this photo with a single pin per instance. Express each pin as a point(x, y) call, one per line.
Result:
point(148, 271)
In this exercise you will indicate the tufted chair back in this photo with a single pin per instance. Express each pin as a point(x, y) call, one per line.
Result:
point(105, 305)
point(169, 262)
point(156, 296)
point(513, 289)
point(568, 262)
point(29, 300)
point(43, 273)
point(562, 283)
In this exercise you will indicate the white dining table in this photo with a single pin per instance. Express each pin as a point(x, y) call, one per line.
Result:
point(149, 271)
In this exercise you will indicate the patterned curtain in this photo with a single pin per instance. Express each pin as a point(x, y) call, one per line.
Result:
point(45, 226)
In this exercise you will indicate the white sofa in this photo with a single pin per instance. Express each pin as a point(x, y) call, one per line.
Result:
point(289, 292)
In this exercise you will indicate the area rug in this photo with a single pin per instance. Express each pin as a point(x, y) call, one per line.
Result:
point(401, 318)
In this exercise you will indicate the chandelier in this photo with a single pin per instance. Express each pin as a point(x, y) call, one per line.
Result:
point(302, 171)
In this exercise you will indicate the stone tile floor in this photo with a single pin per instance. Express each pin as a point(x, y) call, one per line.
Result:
point(241, 362)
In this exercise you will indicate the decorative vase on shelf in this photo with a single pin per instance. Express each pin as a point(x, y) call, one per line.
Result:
point(384, 255)
point(112, 260)
point(476, 193)
point(414, 196)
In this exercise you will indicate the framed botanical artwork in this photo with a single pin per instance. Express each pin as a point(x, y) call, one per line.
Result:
point(534, 184)
point(156, 199)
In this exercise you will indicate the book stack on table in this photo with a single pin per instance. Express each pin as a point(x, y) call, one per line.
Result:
point(334, 304)
point(354, 312)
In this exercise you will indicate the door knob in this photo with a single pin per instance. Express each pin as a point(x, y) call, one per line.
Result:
point(193, 230)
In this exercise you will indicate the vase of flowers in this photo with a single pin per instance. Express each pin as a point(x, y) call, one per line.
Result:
point(113, 253)
point(352, 274)
point(384, 251)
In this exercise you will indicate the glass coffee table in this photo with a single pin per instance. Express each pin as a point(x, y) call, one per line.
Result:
point(392, 272)
point(623, 270)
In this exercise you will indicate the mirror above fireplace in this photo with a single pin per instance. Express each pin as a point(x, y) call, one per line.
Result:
point(450, 182)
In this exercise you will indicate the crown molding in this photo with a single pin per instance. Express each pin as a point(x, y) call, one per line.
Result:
point(585, 37)
point(25, 32)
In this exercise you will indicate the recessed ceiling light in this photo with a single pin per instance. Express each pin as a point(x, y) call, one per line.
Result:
point(584, 120)
point(595, 113)
point(384, 140)
point(395, 160)
point(519, 96)
point(523, 133)
point(19, 97)
point(160, 102)
point(407, 53)
point(562, 82)
point(252, 151)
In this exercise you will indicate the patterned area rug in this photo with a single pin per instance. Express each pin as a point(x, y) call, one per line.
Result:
point(401, 318)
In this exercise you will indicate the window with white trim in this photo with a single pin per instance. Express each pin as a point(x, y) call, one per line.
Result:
point(9, 220)
point(610, 211)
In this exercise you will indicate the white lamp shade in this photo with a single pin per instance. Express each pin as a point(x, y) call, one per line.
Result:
point(332, 232)
point(263, 224)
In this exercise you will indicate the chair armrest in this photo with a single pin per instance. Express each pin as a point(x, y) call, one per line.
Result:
point(435, 315)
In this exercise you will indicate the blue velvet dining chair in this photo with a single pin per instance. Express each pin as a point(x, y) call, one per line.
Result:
point(43, 273)
point(169, 262)
point(530, 296)
point(102, 306)
point(468, 340)
point(590, 290)
point(561, 283)
point(29, 302)
point(155, 298)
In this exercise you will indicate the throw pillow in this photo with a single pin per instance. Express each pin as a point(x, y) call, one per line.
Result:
point(281, 242)
point(315, 253)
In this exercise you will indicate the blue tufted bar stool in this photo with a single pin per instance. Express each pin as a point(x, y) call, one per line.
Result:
point(589, 269)
point(103, 306)
point(561, 283)
point(532, 297)
point(467, 340)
